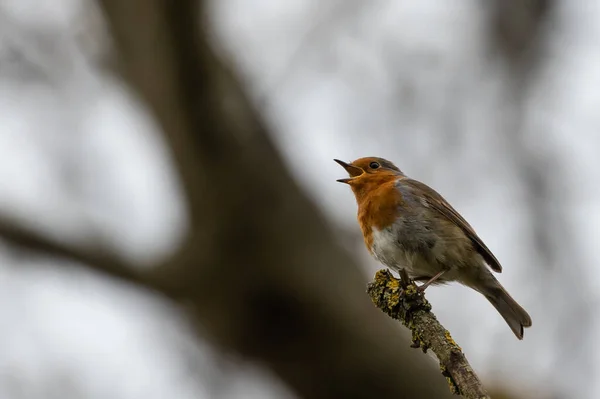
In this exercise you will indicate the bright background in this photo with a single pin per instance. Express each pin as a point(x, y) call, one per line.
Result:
point(416, 82)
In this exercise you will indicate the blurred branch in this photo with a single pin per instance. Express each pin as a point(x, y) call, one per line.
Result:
point(518, 32)
point(400, 300)
point(94, 259)
point(23, 237)
point(263, 271)
point(516, 25)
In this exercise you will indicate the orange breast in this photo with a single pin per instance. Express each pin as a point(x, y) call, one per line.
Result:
point(378, 204)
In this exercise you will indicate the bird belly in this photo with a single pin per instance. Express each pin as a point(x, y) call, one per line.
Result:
point(415, 254)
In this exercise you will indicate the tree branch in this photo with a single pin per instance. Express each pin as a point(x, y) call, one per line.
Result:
point(400, 300)
point(94, 259)
point(26, 238)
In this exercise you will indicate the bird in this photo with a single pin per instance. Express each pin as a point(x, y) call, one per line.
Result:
point(408, 225)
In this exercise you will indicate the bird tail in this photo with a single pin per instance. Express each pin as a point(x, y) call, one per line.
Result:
point(515, 316)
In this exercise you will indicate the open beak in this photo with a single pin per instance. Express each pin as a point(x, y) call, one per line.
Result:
point(352, 170)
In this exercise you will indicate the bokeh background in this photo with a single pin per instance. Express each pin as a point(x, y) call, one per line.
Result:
point(495, 104)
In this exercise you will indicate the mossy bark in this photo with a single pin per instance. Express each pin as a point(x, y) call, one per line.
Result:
point(401, 300)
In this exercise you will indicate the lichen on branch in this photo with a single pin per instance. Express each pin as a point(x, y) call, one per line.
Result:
point(401, 300)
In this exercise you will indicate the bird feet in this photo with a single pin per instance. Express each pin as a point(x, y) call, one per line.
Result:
point(421, 288)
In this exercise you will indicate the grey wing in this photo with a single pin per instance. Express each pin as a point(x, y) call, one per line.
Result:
point(437, 202)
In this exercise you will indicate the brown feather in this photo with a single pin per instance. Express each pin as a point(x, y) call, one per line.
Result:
point(437, 202)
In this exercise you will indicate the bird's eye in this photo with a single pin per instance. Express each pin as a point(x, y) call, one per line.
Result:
point(373, 165)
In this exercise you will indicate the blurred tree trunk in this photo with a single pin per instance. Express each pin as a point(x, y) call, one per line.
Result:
point(261, 271)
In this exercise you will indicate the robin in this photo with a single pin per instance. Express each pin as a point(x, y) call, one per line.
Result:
point(408, 225)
